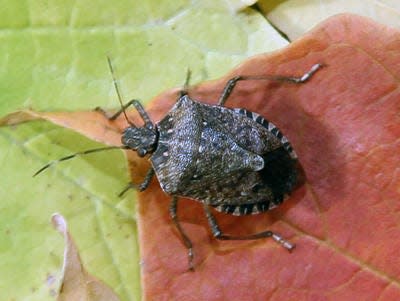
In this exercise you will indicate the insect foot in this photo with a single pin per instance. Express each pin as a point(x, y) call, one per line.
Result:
point(231, 160)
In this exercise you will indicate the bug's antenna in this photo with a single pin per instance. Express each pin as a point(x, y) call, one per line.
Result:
point(117, 89)
point(89, 151)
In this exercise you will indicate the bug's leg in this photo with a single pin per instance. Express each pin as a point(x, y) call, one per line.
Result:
point(184, 91)
point(219, 235)
point(142, 186)
point(138, 106)
point(120, 111)
point(230, 85)
point(188, 243)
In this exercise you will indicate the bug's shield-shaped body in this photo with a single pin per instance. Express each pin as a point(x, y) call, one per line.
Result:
point(231, 159)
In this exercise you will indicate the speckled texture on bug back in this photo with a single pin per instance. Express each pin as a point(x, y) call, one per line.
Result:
point(231, 159)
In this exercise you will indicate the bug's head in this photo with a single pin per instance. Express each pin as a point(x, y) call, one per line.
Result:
point(141, 139)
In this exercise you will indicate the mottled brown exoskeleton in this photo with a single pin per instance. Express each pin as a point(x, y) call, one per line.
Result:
point(232, 160)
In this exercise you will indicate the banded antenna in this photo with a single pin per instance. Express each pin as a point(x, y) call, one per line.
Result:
point(118, 95)
point(69, 157)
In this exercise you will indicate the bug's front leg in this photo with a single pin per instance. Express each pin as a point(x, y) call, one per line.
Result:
point(142, 186)
point(138, 106)
point(219, 235)
point(188, 243)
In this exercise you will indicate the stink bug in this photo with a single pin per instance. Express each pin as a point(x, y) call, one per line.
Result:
point(232, 160)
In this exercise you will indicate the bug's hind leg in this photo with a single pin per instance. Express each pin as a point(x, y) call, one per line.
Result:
point(219, 235)
point(142, 186)
point(230, 85)
point(188, 243)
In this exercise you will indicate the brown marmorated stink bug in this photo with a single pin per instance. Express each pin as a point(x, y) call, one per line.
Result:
point(232, 160)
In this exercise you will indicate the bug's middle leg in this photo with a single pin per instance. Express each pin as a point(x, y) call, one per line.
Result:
point(219, 235)
point(188, 243)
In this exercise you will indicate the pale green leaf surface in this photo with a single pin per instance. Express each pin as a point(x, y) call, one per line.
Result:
point(53, 57)
point(295, 17)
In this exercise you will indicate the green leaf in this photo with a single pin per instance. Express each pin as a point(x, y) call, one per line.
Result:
point(53, 57)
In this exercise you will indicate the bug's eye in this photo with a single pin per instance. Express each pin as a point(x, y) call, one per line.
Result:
point(141, 152)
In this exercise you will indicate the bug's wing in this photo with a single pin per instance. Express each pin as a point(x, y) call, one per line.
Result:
point(250, 130)
point(219, 156)
point(237, 138)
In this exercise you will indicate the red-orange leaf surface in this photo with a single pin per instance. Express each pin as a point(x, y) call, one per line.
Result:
point(345, 126)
